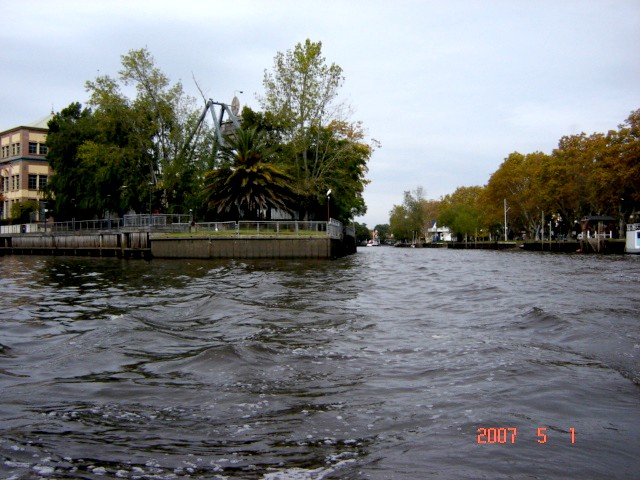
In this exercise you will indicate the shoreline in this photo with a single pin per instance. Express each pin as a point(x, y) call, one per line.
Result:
point(599, 246)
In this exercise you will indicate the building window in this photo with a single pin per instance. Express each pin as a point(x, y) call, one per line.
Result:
point(16, 149)
point(5, 184)
point(33, 148)
point(5, 151)
point(43, 149)
point(42, 182)
point(33, 182)
point(15, 182)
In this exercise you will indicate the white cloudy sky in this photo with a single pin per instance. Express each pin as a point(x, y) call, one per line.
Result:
point(449, 87)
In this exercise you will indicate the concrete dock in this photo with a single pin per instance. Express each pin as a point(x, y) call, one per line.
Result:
point(148, 244)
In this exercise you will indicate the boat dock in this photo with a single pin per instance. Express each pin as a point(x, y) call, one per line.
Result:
point(268, 239)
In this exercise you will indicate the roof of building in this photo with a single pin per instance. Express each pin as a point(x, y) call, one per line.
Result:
point(598, 218)
point(40, 123)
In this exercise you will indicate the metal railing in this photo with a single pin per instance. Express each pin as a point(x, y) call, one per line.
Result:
point(171, 222)
point(276, 228)
point(81, 225)
point(184, 224)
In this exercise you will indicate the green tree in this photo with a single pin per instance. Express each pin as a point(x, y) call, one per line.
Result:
point(154, 132)
point(119, 153)
point(384, 232)
point(400, 224)
point(66, 190)
point(362, 232)
point(21, 211)
point(413, 217)
point(462, 213)
point(341, 167)
point(321, 149)
point(248, 182)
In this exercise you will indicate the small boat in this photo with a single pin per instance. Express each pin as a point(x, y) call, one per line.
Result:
point(373, 243)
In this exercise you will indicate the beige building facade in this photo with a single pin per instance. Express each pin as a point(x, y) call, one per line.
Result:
point(24, 169)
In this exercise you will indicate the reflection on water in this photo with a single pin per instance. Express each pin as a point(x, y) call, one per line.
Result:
point(380, 365)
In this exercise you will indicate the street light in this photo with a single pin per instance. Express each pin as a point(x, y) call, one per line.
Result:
point(328, 204)
point(44, 215)
point(109, 211)
point(150, 193)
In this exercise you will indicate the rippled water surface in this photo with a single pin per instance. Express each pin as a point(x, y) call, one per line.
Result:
point(381, 365)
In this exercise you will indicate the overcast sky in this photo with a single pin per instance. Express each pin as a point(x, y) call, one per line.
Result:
point(449, 88)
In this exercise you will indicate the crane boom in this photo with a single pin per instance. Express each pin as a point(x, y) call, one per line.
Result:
point(219, 124)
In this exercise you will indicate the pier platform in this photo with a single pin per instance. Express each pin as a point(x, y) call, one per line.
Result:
point(317, 240)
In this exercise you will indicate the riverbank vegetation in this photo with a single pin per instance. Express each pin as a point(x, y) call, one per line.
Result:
point(152, 152)
point(597, 174)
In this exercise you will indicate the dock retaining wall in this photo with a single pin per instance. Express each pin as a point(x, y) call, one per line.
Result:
point(149, 245)
point(198, 247)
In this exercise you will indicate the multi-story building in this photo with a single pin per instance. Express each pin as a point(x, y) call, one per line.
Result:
point(24, 168)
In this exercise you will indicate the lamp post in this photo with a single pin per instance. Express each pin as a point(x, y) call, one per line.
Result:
point(150, 213)
point(328, 205)
point(44, 215)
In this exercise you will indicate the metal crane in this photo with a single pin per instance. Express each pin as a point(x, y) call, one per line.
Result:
point(220, 125)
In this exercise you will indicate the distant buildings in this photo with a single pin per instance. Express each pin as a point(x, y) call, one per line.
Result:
point(24, 169)
point(438, 234)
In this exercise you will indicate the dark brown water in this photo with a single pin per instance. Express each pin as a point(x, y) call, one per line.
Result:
point(382, 365)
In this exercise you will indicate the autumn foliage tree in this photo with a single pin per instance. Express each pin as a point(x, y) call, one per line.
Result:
point(597, 174)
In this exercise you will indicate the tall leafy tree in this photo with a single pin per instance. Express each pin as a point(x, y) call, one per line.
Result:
point(461, 211)
point(616, 171)
point(121, 153)
point(155, 130)
point(321, 148)
point(519, 181)
point(362, 232)
point(67, 188)
point(400, 224)
point(384, 231)
point(568, 174)
point(413, 217)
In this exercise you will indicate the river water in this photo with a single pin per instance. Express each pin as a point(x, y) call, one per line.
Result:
point(388, 364)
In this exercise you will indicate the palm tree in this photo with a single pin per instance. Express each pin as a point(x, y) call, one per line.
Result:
point(247, 180)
